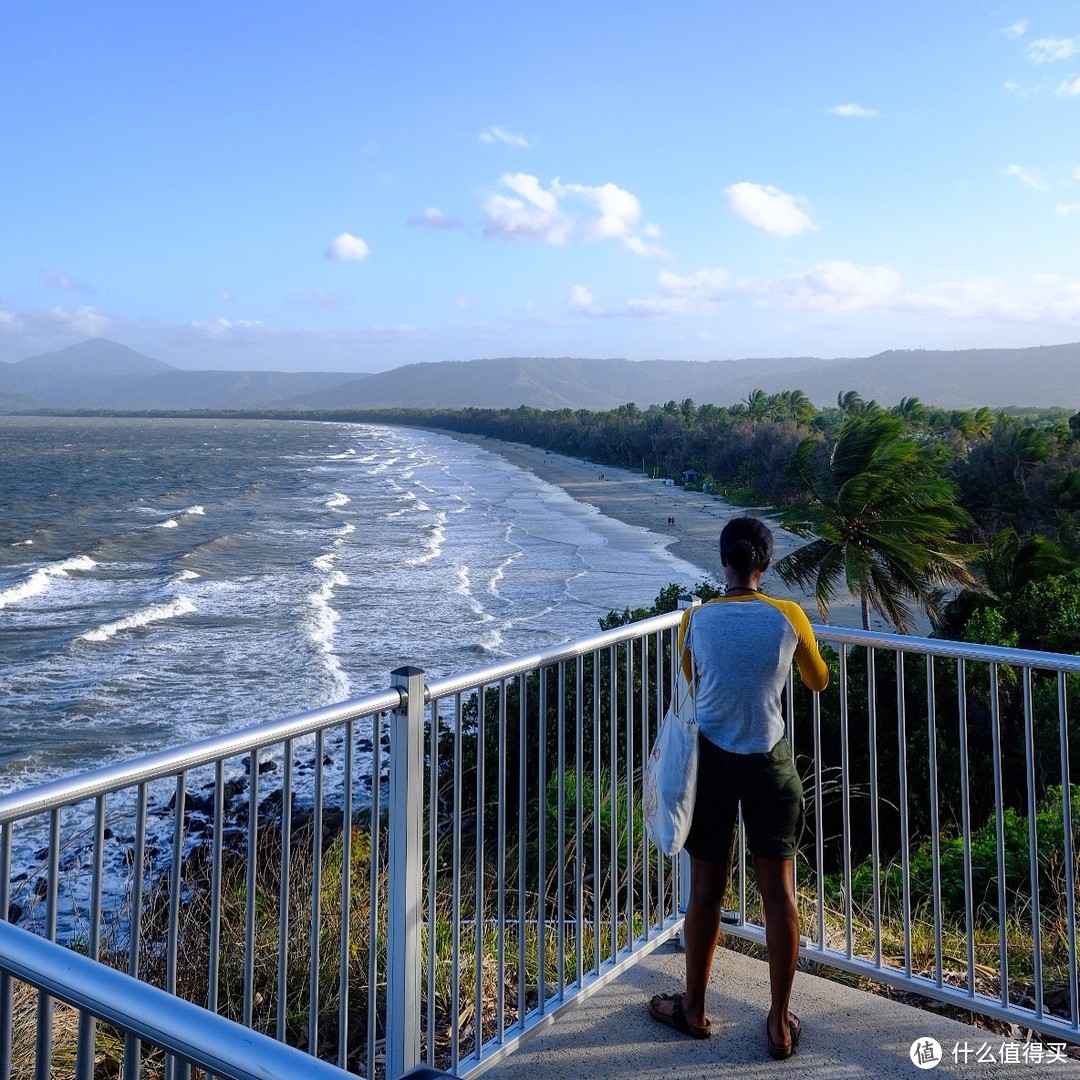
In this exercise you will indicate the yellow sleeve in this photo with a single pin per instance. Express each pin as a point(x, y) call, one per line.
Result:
point(812, 668)
point(686, 658)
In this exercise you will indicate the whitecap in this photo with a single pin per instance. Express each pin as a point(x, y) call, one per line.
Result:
point(43, 577)
point(23, 543)
point(155, 613)
point(321, 625)
point(432, 539)
point(336, 500)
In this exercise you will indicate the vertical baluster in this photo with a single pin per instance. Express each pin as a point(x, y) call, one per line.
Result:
point(500, 873)
point(541, 927)
point(1067, 823)
point(631, 864)
point(597, 955)
point(132, 1045)
point(935, 817)
point(905, 827)
point(251, 887)
point(965, 827)
point(346, 897)
point(1033, 843)
point(216, 850)
point(875, 850)
point(44, 1041)
point(845, 789)
point(479, 906)
point(999, 818)
point(643, 854)
point(175, 879)
point(819, 839)
point(284, 875)
point(455, 896)
point(560, 862)
point(84, 1065)
point(613, 768)
point(523, 793)
point(316, 896)
point(375, 895)
point(579, 820)
point(433, 876)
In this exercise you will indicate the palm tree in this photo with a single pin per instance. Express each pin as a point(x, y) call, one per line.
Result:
point(882, 518)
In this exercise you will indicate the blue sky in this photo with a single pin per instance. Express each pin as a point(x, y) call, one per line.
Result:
point(356, 186)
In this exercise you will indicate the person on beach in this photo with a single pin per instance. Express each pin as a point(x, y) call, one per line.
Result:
point(739, 650)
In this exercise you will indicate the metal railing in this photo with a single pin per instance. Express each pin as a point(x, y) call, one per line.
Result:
point(187, 1037)
point(429, 873)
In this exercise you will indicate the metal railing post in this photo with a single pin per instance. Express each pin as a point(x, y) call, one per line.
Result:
point(406, 861)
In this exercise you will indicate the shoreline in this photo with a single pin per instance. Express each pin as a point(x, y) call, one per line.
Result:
point(640, 501)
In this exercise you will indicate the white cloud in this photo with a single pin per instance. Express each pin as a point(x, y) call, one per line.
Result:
point(1049, 50)
point(554, 215)
point(1012, 87)
point(1017, 30)
point(1066, 209)
point(46, 326)
point(227, 297)
point(852, 109)
point(1030, 177)
point(769, 208)
point(1070, 87)
point(708, 285)
point(496, 134)
point(347, 248)
point(833, 287)
point(531, 213)
point(838, 289)
point(580, 299)
point(434, 218)
point(66, 282)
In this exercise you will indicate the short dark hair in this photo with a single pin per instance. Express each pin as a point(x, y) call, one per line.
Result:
point(746, 544)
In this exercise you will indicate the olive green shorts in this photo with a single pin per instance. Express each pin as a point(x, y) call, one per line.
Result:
point(771, 794)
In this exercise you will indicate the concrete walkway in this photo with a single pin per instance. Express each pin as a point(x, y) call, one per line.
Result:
point(847, 1033)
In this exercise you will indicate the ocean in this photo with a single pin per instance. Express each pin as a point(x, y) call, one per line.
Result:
point(163, 580)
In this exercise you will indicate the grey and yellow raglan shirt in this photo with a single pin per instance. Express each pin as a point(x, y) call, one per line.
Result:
point(740, 652)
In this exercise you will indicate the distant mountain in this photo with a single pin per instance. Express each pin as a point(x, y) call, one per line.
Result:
point(1039, 377)
point(546, 383)
point(103, 374)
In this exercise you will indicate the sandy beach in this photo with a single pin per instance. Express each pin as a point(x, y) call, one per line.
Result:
point(636, 499)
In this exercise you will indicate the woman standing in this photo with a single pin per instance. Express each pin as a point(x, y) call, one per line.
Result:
point(739, 652)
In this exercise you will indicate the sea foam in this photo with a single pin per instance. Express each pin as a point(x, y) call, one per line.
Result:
point(43, 577)
point(155, 613)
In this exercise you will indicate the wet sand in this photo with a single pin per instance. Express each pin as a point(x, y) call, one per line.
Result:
point(638, 500)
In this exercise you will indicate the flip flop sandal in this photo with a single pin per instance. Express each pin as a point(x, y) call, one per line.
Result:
point(778, 1050)
point(676, 1019)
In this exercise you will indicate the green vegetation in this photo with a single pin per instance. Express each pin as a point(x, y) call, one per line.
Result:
point(882, 516)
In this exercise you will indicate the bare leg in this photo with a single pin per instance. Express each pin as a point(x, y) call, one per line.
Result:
point(701, 929)
point(776, 884)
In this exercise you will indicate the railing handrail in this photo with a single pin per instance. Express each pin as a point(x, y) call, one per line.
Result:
point(170, 762)
point(960, 650)
point(467, 680)
point(203, 1038)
